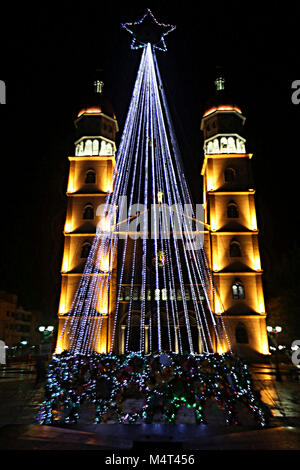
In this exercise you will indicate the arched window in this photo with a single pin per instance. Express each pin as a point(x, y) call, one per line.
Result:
point(90, 177)
point(216, 146)
point(241, 335)
point(121, 295)
point(232, 210)
point(103, 148)
point(235, 249)
point(224, 145)
point(127, 293)
point(85, 250)
point(88, 149)
point(81, 148)
point(135, 293)
point(88, 212)
point(210, 147)
point(238, 291)
point(229, 175)
point(179, 296)
point(95, 147)
point(231, 145)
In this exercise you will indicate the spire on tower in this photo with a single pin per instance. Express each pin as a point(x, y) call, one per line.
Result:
point(98, 86)
point(220, 80)
point(98, 82)
point(220, 83)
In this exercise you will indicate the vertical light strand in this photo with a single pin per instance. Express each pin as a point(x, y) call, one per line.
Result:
point(151, 118)
point(162, 131)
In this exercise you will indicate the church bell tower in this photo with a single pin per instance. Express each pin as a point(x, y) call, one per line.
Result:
point(231, 240)
point(89, 182)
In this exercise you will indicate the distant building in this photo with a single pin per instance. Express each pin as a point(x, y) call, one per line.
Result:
point(16, 323)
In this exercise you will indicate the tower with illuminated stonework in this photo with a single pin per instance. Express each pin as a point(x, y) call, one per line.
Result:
point(231, 240)
point(89, 182)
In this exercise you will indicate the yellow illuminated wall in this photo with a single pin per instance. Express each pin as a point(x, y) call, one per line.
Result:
point(219, 202)
point(79, 232)
point(218, 195)
point(103, 167)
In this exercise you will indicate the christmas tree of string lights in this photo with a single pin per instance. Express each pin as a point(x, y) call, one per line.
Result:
point(151, 229)
point(149, 241)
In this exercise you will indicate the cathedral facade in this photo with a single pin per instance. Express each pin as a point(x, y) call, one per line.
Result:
point(230, 238)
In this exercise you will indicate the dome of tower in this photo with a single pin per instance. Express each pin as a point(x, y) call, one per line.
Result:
point(222, 107)
point(96, 104)
point(221, 99)
point(96, 117)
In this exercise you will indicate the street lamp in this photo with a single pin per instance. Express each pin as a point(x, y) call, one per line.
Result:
point(45, 344)
point(273, 332)
point(46, 330)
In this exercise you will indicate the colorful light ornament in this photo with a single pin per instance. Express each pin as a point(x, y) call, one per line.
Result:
point(160, 259)
point(148, 30)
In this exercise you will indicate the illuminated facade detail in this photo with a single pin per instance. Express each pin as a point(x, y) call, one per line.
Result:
point(222, 108)
point(232, 210)
point(238, 291)
point(88, 146)
point(225, 143)
point(85, 250)
point(231, 241)
point(90, 178)
point(88, 213)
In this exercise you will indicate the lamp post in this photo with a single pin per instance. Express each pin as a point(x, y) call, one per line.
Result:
point(273, 333)
point(46, 332)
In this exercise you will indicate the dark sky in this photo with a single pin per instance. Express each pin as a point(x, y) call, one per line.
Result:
point(49, 55)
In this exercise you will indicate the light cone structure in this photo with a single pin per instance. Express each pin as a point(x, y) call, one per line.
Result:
point(148, 244)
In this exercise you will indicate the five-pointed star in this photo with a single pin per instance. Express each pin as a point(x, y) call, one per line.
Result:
point(148, 30)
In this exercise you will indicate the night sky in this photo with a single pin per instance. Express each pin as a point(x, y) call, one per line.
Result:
point(49, 56)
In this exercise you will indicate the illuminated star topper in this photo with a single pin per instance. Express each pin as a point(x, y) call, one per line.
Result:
point(148, 30)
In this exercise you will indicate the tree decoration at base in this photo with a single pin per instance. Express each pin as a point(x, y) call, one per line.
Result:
point(138, 388)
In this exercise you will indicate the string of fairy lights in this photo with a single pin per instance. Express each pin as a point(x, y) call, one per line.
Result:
point(161, 385)
point(137, 43)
